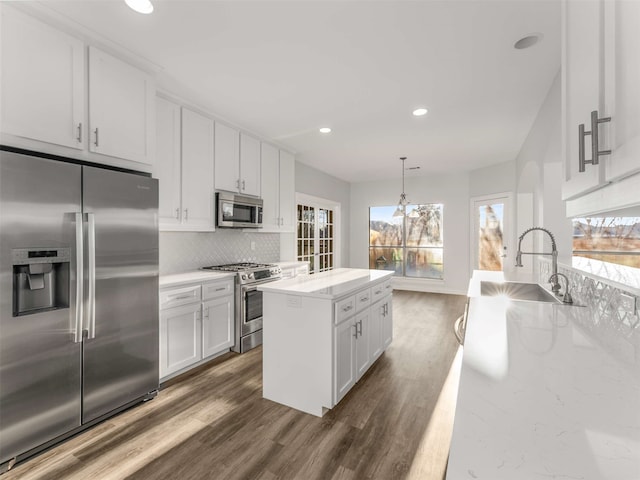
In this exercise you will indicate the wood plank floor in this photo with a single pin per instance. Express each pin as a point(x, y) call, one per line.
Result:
point(214, 424)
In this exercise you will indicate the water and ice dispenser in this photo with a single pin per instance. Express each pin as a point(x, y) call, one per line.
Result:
point(40, 279)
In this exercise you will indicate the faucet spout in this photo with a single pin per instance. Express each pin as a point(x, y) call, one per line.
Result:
point(555, 286)
point(566, 297)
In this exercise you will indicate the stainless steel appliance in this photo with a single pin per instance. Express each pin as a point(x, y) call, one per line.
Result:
point(248, 301)
point(238, 211)
point(78, 298)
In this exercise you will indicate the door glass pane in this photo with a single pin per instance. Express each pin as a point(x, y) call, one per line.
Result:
point(490, 221)
point(314, 229)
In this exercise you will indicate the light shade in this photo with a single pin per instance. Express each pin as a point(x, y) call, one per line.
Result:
point(140, 6)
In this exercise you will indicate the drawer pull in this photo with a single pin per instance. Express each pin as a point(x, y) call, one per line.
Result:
point(220, 289)
point(364, 299)
point(183, 297)
point(347, 308)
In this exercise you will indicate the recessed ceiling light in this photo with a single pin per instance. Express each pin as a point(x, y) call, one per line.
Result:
point(140, 6)
point(418, 112)
point(325, 130)
point(528, 41)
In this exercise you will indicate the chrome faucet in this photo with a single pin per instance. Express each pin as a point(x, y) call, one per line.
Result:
point(566, 298)
point(555, 286)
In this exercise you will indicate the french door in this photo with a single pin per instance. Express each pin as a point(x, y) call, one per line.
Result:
point(316, 235)
point(491, 232)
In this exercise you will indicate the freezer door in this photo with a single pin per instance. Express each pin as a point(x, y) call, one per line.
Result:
point(121, 289)
point(40, 348)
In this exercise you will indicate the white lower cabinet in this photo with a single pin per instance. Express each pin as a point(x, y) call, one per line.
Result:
point(359, 338)
point(180, 338)
point(217, 330)
point(196, 323)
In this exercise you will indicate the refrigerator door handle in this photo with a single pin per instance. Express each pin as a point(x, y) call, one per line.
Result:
point(78, 313)
point(91, 294)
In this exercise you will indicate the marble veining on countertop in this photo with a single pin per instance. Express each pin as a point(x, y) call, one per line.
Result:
point(331, 284)
point(544, 393)
point(194, 276)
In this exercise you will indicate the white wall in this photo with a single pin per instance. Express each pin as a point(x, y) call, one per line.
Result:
point(539, 179)
point(319, 184)
point(450, 190)
point(498, 178)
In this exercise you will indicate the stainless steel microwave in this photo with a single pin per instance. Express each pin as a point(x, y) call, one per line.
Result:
point(238, 211)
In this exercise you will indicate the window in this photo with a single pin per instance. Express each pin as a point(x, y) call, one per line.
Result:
point(315, 237)
point(409, 244)
point(608, 239)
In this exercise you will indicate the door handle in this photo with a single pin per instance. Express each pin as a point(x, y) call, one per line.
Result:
point(595, 140)
point(79, 137)
point(91, 287)
point(355, 328)
point(360, 329)
point(77, 334)
point(243, 188)
point(96, 132)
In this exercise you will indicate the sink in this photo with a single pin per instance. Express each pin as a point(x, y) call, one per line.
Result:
point(531, 292)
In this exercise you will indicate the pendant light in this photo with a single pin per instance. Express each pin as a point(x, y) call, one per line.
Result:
point(140, 6)
point(403, 197)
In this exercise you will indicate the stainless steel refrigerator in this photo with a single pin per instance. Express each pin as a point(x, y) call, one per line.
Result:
point(78, 297)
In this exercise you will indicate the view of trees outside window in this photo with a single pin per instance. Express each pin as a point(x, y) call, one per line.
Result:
point(490, 248)
point(410, 245)
point(608, 239)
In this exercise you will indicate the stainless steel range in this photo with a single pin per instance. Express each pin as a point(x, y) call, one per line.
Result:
point(248, 304)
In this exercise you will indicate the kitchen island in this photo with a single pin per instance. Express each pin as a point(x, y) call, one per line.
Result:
point(546, 391)
point(321, 334)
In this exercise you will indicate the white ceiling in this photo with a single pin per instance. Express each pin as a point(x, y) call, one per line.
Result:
point(282, 69)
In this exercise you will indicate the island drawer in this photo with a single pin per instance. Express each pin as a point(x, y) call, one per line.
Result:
point(175, 297)
point(377, 292)
point(345, 308)
point(363, 299)
point(217, 289)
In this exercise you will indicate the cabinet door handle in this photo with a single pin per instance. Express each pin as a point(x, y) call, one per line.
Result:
point(360, 329)
point(79, 137)
point(355, 328)
point(186, 214)
point(595, 140)
point(243, 188)
point(178, 213)
point(238, 184)
point(206, 313)
point(96, 132)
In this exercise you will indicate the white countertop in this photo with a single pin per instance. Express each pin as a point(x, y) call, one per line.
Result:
point(545, 392)
point(332, 284)
point(291, 264)
point(192, 277)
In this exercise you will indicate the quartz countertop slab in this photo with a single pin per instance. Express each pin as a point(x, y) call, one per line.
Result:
point(291, 264)
point(332, 284)
point(194, 276)
point(546, 391)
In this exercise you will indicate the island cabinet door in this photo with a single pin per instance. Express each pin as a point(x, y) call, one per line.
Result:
point(363, 329)
point(345, 358)
point(387, 323)
point(375, 330)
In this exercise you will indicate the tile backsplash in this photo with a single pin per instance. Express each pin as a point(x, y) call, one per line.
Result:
point(614, 312)
point(183, 251)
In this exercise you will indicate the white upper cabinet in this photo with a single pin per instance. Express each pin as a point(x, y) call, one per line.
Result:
point(249, 165)
point(601, 74)
point(197, 171)
point(277, 189)
point(227, 158)
point(56, 101)
point(622, 87)
point(121, 102)
point(582, 43)
point(43, 94)
point(167, 167)
point(287, 192)
point(237, 161)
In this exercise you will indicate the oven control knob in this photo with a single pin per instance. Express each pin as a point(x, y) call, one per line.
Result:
point(244, 276)
point(251, 275)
